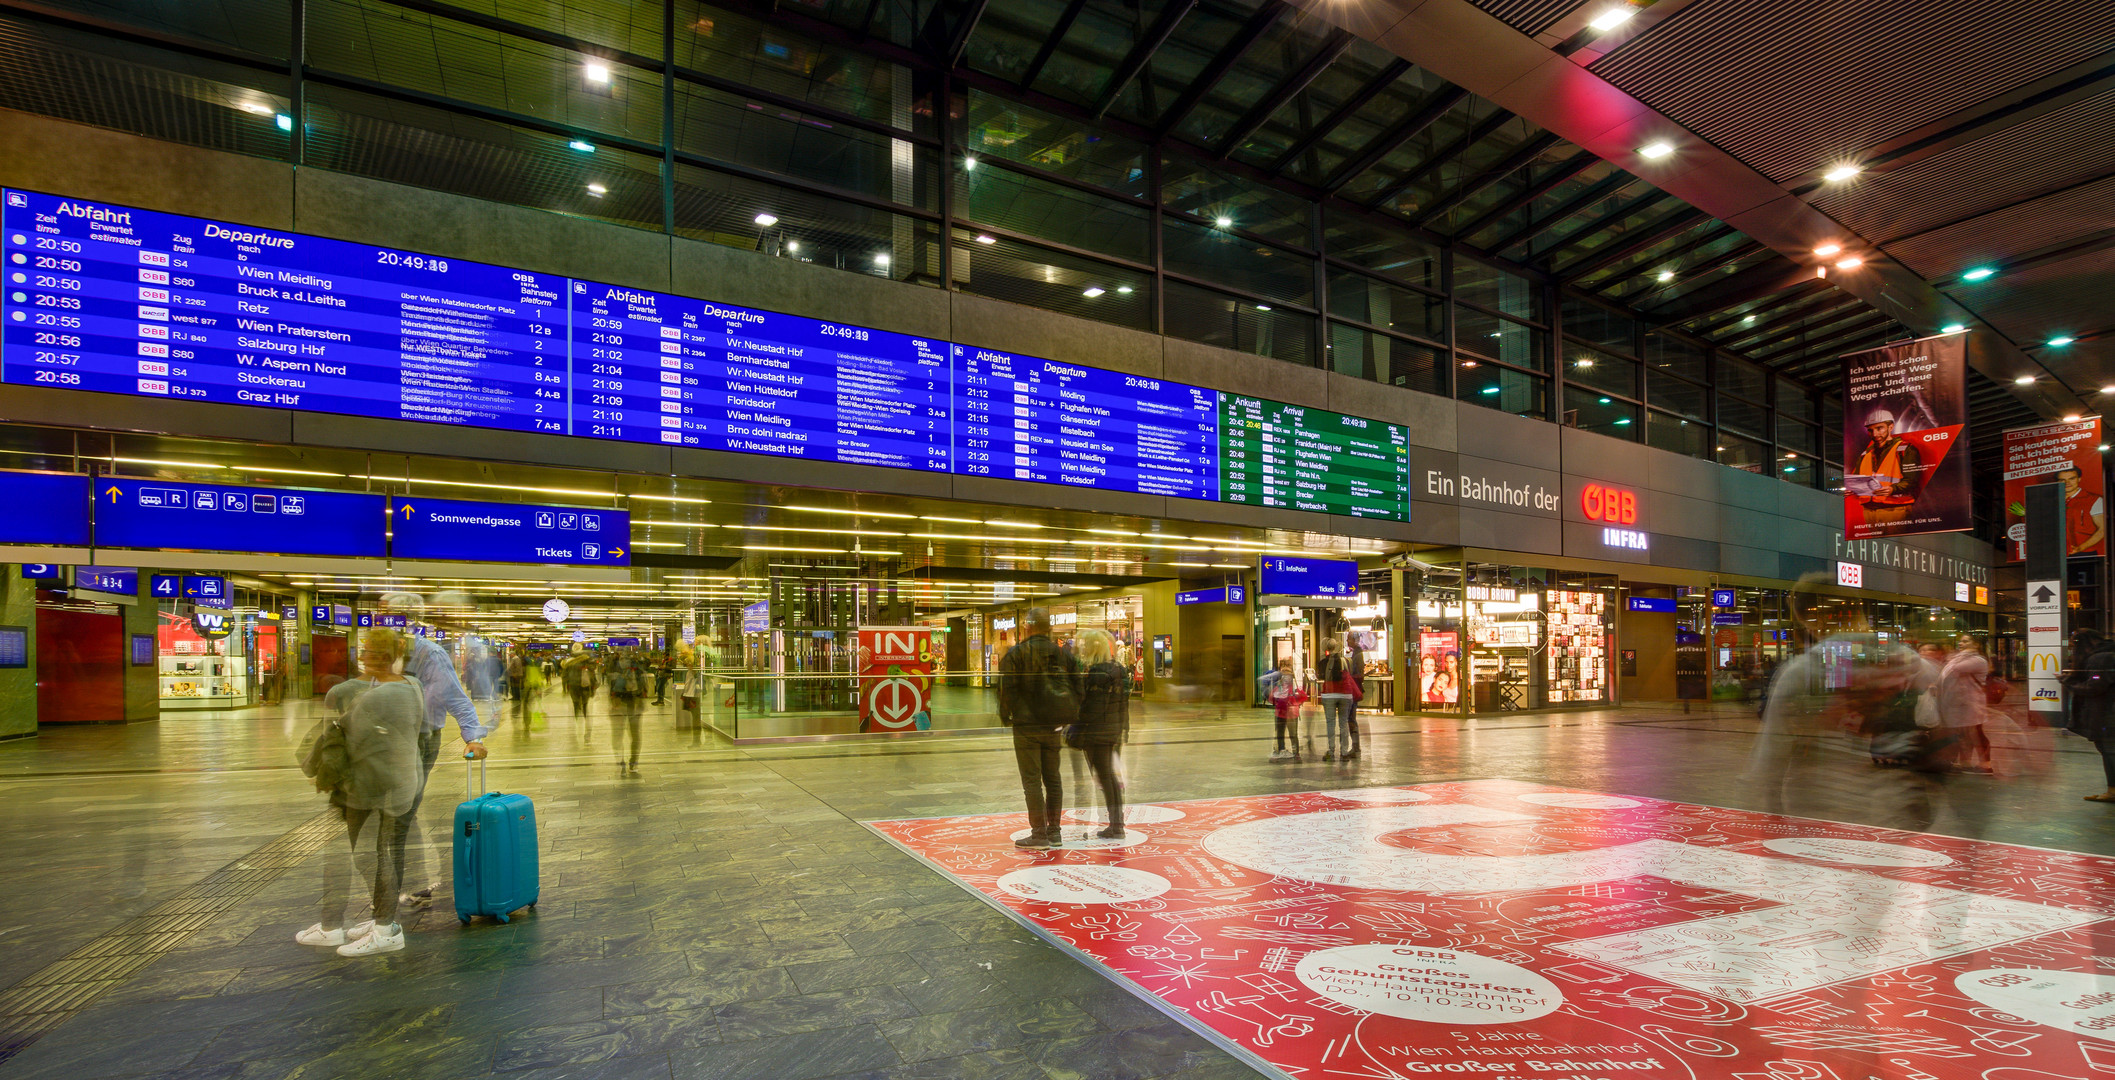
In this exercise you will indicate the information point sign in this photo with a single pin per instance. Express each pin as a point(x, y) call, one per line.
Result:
point(1500, 928)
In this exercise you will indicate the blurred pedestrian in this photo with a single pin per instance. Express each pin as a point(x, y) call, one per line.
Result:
point(663, 671)
point(577, 675)
point(1105, 721)
point(1340, 695)
point(1039, 696)
point(627, 683)
point(1282, 689)
point(1964, 706)
point(2089, 684)
point(434, 671)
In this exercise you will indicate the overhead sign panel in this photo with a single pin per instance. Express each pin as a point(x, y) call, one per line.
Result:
point(1026, 418)
point(224, 517)
point(1317, 578)
point(455, 531)
point(122, 580)
point(2067, 454)
point(44, 508)
point(1300, 458)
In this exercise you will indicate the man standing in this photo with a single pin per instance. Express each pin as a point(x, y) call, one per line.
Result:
point(435, 670)
point(2085, 521)
point(1896, 469)
point(1039, 696)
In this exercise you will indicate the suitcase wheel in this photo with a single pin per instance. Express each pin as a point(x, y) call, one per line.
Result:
point(501, 918)
point(465, 918)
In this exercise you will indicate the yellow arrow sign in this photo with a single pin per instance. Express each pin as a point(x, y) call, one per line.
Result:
point(113, 494)
point(407, 508)
point(616, 553)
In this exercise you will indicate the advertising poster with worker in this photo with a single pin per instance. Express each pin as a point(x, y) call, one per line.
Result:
point(2060, 453)
point(1905, 415)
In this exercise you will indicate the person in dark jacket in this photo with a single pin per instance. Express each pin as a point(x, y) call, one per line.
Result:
point(1039, 696)
point(2090, 686)
point(1105, 720)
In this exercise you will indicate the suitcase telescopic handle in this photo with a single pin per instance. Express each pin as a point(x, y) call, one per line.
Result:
point(468, 757)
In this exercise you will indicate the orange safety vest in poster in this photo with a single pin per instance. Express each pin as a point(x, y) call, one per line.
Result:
point(1895, 458)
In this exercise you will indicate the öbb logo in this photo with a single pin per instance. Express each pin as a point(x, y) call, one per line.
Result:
point(1614, 506)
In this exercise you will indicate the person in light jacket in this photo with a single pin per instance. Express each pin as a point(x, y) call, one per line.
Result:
point(1339, 694)
point(1105, 720)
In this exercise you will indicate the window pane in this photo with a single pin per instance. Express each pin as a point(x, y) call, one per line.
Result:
point(1489, 287)
point(811, 228)
point(1193, 188)
point(1794, 401)
point(1591, 322)
point(1741, 377)
point(1831, 427)
point(1668, 432)
point(1020, 203)
point(1664, 352)
point(259, 26)
point(1382, 358)
point(1242, 325)
point(1500, 339)
point(754, 53)
point(1801, 470)
point(721, 127)
point(1601, 415)
point(1792, 435)
point(1000, 128)
point(1220, 256)
point(1668, 392)
point(1602, 371)
point(1743, 417)
point(1054, 281)
point(1396, 254)
point(1500, 388)
point(1746, 455)
point(1391, 307)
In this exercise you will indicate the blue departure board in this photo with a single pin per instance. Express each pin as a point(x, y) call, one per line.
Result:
point(458, 531)
point(122, 300)
point(226, 517)
point(103, 297)
point(654, 367)
point(1025, 418)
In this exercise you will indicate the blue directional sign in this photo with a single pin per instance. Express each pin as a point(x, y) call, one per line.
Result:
point(1202, 596)
point(222, 517)
point(1237, 594)
point(123, 580)
point(755, 617)
point(165, 586)
point(320, 613)
point(205, 588)
point(456, 531)
point(1654, 604)
point(290, 613)
point(366, 619)
point(1723, 598)
point(1316, 578)
point(40, 571)
point(44, 508)
point(341, 615)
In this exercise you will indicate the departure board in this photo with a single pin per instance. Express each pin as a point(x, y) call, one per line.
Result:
point(1301, 458)
point(654, 367)
point(1025, 418)
point(110, 298)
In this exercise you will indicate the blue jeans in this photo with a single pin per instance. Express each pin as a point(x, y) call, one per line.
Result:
point(1336, 710)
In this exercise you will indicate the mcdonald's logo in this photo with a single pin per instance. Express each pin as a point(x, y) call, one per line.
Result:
point(2042, 661)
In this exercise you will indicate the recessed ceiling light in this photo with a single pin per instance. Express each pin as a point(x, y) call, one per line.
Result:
point(1489, 390)
point(1664, 276)
point(2071, 418)
point(1584, 361)
point(582, 145)
point(285, 122)
point(1092, 291)
point(1262, 307)
point(1978, 273)
point(767, 220)
point(1851, 263)
point(987, 238)
point(597, 190)
point(1612, 18)
point(1123, 288)
point(1827, 250)
point(969, 163)
point(2024, 380)
point(2062, 339)
point(596, 73)
point(1223, 222)
point(1748, 321)
point(881, 259)
point(1953, 328)
point(1841, 173)
point(1655, 151)
point(792, 245)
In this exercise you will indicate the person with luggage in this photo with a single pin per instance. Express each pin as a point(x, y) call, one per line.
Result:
point(1282, 689)
point(1105, 721)
point(1039, 696)
point(1339, 694)
point(434, 669)
point(627, 683)
point(367, 753)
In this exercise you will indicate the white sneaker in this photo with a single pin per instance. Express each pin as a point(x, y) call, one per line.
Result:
point(317, 935)
point(380, 940)
point(1282, 755)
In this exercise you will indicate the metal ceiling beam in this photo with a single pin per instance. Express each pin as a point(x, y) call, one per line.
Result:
point(1828, 342)
point(1831, 352)
point(1484, 129)
point(1675, 255)
point(1332, 48)
point(1753, 283)
point(1163, 27)
point(1245, 39)
point(1773, 349)
point(1728, 257)
point(1360, 100)
point(1058, 30)
point(1608, 185)
point(1572, 167)
point(1519, 159)
point(1680, 222)
point(1395, 138)
point(958, 41)
point(1821, 300)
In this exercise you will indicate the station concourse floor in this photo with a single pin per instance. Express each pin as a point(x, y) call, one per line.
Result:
point(723, 916)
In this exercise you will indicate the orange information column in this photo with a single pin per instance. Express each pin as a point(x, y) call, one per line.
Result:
point(896, 678)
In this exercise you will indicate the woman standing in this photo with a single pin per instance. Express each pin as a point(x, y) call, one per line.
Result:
point(1105, 720)
point(1339, 698)
point(376, 778)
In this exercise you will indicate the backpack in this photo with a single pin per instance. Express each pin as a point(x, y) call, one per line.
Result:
point(1050, 694)
point(620, 681)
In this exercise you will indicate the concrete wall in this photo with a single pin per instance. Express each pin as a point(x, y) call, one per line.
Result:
point(18, 686)
point(1483, 478)
point(143, 687)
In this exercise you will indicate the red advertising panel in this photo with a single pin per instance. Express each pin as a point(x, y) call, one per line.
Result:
point(2068, 454)
point(1439, 667)
point(1508, 929)
point(1905, 462)
point(896, 678)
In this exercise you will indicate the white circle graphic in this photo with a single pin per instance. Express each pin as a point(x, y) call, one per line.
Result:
point(1378, 795)
point(1083, 837)
point(1438, 986)
point(1135, 815)
point(1083, 884)
point(2075, 1001)
point(1578, 800)
point(1856, 852)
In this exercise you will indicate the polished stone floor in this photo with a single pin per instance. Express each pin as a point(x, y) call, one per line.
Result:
point(722, 915)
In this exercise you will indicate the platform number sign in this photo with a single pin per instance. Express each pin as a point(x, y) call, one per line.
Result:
point(320, 613)
point(163, 586)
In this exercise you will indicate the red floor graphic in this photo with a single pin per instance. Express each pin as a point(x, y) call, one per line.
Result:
point(1497, 928)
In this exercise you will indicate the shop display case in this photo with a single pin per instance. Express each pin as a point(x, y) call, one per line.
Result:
point(1578, 646)
point(199, 674)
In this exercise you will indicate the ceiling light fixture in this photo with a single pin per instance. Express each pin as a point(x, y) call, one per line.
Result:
point(1664, 276)
point(1953, 328)
point(582, 145)
point(1262, 307)
point(969, 162)
point(767, 220)
point(1093, 291)
point(987, 238)
point(1612, 18)
point(1842, 172)
point(285, 122)
point(2024, 380)
point(597, 190)
point(1851, 263)
point(2107, 389)
point(1827, 250)
point(1584, 361)
point(2061, 340)
point(2072, 418)
point(881, 259)
point(1123, 288)
point(599, 74)
point(257, 107)
point(1604, 401)
point(1489, 390)
point(1655, 151)
point(1749, 321)
point(1223, 222)
point(1978, 273)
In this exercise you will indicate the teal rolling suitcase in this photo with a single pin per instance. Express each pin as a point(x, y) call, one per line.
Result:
point(495, 853)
